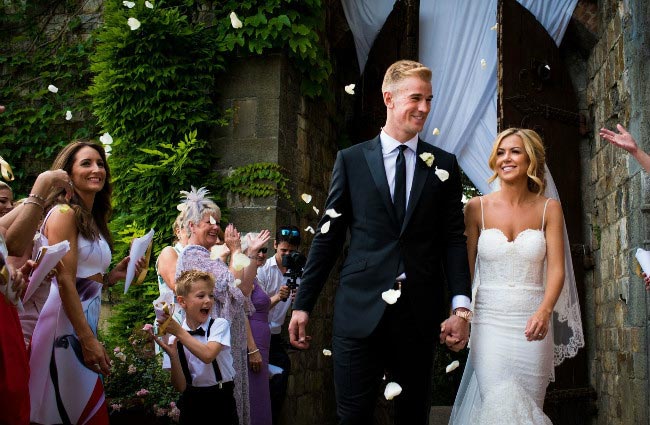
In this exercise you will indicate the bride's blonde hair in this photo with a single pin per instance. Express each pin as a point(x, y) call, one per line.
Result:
point(536, 154)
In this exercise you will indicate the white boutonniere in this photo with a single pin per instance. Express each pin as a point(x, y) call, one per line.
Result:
point(428, 158)
point(442, 174)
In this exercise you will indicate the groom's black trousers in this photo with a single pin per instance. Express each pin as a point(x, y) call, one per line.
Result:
point(395, 348)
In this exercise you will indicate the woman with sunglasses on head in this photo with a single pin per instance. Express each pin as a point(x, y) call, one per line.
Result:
point(67, 360)
point(201, 220)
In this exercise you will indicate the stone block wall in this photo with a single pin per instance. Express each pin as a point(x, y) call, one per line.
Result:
point(273, 122)
point(615, 198)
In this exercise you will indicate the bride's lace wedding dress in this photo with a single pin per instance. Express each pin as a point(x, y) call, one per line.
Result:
point(506, 376)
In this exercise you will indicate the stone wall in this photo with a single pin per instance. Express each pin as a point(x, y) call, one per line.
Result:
point(273, 122)
point(616, 199)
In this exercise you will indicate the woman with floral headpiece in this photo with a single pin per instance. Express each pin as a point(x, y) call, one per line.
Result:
point(201, 220)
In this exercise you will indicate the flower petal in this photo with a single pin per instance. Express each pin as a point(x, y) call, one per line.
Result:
point(108, 148)
point(5, 170)
point(106, 139)
point(128, 4)
point(239, 261)
point(306, 197)
point(216, 251)
point(133, 23)
point(393, 389)
point(483, 64)
point(495, 27)
point(452, 366)
point(442, 174)
point(147, 327)
point(325, 227)
point(148, 4)
point(234, 20)
point(52, 88)
point(349, 89)
point(436, 131)
point(68, 115)
point(64, 208)
point(316, 210)
point(310, 229)
point(332, 213)
point(236, 282)
point(212, 220)
point(326, 352)
point(391, 295)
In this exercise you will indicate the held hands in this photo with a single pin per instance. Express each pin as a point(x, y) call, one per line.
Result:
point(298, 328)
point(454, 332)
point(537, 326)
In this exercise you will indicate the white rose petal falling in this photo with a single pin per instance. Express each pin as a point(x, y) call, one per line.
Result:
point(349, 89)
point(234, 21)
point(68, 115)
point(239, 261)
point(391, 295)
point(310, 229)
point(106, 139)
point(133, 23)
point(108, 149)
point(483, 64)
point(316, 210)
point(326, 352)
point(325, 227)
point(393, 389)
point(53, 88)
point(332, 213)
point(236, 283)
point(128, 4)
point(436, 131)
point(306, 197)
point(148, 4)
point(452, 366)
point(213, 221)
point(495, 27)
point(216, 251)
point(442, 174)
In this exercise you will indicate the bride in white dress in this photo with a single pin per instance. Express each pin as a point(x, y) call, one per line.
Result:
point(515, 243)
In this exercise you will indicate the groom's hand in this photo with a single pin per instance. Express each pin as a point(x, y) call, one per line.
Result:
point(297, 329)
point(454, 332)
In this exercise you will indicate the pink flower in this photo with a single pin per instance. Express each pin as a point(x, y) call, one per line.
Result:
point(172, 404)
point(147, 327)
point(116, 350)
point(159, 411)
point(143, 392)
point(116, 407)
point(174, 413)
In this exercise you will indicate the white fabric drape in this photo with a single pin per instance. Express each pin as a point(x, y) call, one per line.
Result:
point(366, 18)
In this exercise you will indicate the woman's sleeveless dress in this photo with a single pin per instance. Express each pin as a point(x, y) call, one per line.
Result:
point(510, 373)
point(62, 389)
point(259, 391)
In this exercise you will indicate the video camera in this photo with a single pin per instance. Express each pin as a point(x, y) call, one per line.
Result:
point(294, 263)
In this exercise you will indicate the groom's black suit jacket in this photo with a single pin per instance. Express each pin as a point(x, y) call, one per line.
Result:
point(430, 242)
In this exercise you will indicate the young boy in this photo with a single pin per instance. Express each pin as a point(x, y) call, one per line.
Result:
point(199, 354)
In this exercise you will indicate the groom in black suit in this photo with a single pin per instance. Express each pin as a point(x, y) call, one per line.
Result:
point(400, 199)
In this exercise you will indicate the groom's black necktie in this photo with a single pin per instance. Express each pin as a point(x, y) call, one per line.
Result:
point(399, 194)
point(197, 331)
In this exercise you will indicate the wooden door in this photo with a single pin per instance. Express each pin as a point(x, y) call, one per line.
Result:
point(535, 91)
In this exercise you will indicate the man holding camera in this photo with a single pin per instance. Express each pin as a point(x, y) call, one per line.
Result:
point(274, 278)
point(399, 200)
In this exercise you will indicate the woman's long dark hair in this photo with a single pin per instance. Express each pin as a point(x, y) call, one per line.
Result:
point(90, 223)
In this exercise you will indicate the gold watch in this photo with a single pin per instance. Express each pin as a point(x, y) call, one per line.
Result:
point(464, 314)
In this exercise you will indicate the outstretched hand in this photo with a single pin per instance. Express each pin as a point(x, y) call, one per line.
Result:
point(258, 241)
point(622, 139)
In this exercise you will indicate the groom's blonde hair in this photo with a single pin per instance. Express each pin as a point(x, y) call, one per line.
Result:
point(401, 70)
point(536, 154)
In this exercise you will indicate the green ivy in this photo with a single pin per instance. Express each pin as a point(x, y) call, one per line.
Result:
point(258, 180)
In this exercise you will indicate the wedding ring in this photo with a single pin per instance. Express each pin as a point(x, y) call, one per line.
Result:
point(540, 334)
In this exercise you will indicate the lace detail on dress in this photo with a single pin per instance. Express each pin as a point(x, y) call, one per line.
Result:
point(509, 403)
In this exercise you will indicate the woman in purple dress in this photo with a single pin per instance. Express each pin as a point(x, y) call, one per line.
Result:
point(258, 371)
